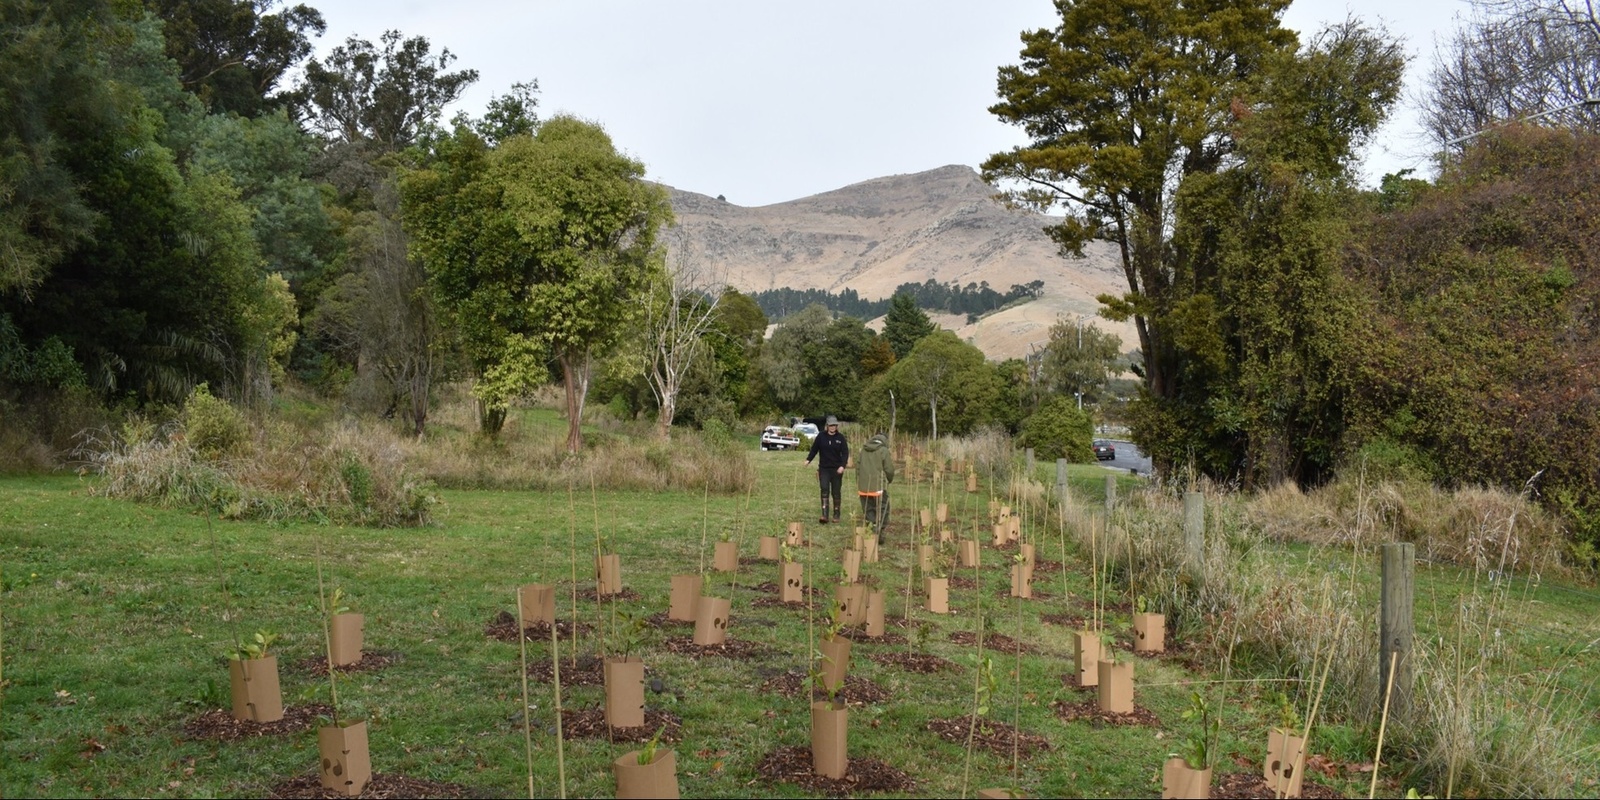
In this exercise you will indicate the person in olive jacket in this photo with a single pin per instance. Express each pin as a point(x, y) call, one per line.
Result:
point(832, 452)
point(874, 473)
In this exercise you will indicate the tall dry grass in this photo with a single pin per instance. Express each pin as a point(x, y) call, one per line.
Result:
point(1480, 724)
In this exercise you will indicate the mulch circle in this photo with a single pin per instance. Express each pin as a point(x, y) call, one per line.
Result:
point(371, 661)
point(1090, 710)
point(754, 561)
point(994, 736)
point(920, 663)
point(1076, 622)
point(661, 620)
point(626, 595)
point(504, 628)
point(773, 602)
point(856, 691)
point(994, 641)
point(1070, 680)
point(590, 723)
point(737, 649)
point(772, 588)
point(1043, 566)
point(380, 786)
point(859, 636)
point(219, 725)
point(962, 582)
point(590, 671)
point(1252, 785)
point(862, 775)
point(1005, 594)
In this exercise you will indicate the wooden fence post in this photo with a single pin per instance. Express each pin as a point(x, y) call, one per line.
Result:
point(1194, 532)
point(1396, 623)
point(1029, 473)
point(1061, 481)
point(1111, 495)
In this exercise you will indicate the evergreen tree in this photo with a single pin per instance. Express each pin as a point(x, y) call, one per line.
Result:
point(905, 325)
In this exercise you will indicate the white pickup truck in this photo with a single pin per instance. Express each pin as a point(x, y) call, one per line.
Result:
point(778, 438)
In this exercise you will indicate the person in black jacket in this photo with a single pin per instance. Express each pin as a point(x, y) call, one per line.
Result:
point(832, 453)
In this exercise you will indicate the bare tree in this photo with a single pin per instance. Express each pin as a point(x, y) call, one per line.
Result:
point(678, 314)
point(1512, 59)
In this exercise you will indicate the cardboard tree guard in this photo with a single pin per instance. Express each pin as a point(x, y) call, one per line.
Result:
point(346, 761)
point(1181, 782)
point(1286, 759)
point(830, 739)
point(253, 685)
point(869, 550)
point(711, 621)
point(1022, 581)
point(791, 582)
point(624, 679)
point(1149, 633)
point(659, 778)
point(726, 557)
point(938, 591)
point(1086, 652)
point(685, 597)
point(1116, 686)
point(941, 513)
point(969, 553)
point(795, 535)
point(537, 602)
point(344, 638)
point(852, 566)
point(852, 601)
point(771, 548)
point(835, 662)
point(875, 614)
point(608, 575)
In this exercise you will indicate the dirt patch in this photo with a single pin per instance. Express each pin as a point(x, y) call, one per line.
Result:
point(755, 561)
point(860, 636)
point(856, 691)
point(1038, 594)
point(380, 786)
point(772, 588)
point(773, 602)
point(1252, 785)
point(219, 725)
point(1046, 567)
point(1090, 710)
point(1076, 622)
point(503, 627)
point(626, 595)
point(862, 775)
point(920, 663)
point(962, 582)
point(1070, 680)
point(590, 671)
point(370, 662)
point(996, 737)
point(661, 620)
point(993, 641)
point(736, 649)
point(590, 723)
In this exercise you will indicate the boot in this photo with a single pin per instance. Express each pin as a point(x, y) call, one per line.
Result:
point(823, 519)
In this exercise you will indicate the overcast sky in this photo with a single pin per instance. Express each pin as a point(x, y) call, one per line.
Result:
point(767, 101)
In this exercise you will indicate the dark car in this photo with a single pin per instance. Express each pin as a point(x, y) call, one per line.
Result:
point(1104, 450)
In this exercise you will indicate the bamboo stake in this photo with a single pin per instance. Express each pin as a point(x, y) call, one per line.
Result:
point(705, 519)
point(572, 550)
point(327, 630)
point(555, 667)
point(527, 708)
point(1383, 723)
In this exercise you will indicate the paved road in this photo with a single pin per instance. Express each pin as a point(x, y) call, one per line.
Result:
point(1128, 457)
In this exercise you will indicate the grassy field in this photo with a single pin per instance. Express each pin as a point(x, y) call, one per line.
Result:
point(116, 629)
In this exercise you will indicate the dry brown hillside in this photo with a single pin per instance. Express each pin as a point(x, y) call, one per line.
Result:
point(873, 236)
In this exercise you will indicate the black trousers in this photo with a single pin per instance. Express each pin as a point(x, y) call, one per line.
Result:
point(832, 484)
point(875, 511)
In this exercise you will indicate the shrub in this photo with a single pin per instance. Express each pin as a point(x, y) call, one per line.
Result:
point(214, 428)
point(1059, 429)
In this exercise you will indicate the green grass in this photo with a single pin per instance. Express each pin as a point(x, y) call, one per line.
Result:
point(115, 635)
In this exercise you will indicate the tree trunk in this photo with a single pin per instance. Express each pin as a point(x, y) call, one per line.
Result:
point(669, 409)
point(933, 409)
point(575, 376)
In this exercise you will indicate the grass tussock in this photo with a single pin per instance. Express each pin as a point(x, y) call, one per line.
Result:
point(1476, 527)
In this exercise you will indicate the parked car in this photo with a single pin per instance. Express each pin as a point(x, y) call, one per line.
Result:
point(1104, 450)
point(775, 437)
point(807, 428)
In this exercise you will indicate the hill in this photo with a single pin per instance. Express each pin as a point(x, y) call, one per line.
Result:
point(942, 224)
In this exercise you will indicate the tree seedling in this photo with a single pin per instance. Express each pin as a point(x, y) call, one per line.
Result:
point(1288, 716)
point(256, 647)
point(647, 754)
point(1197, 747)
